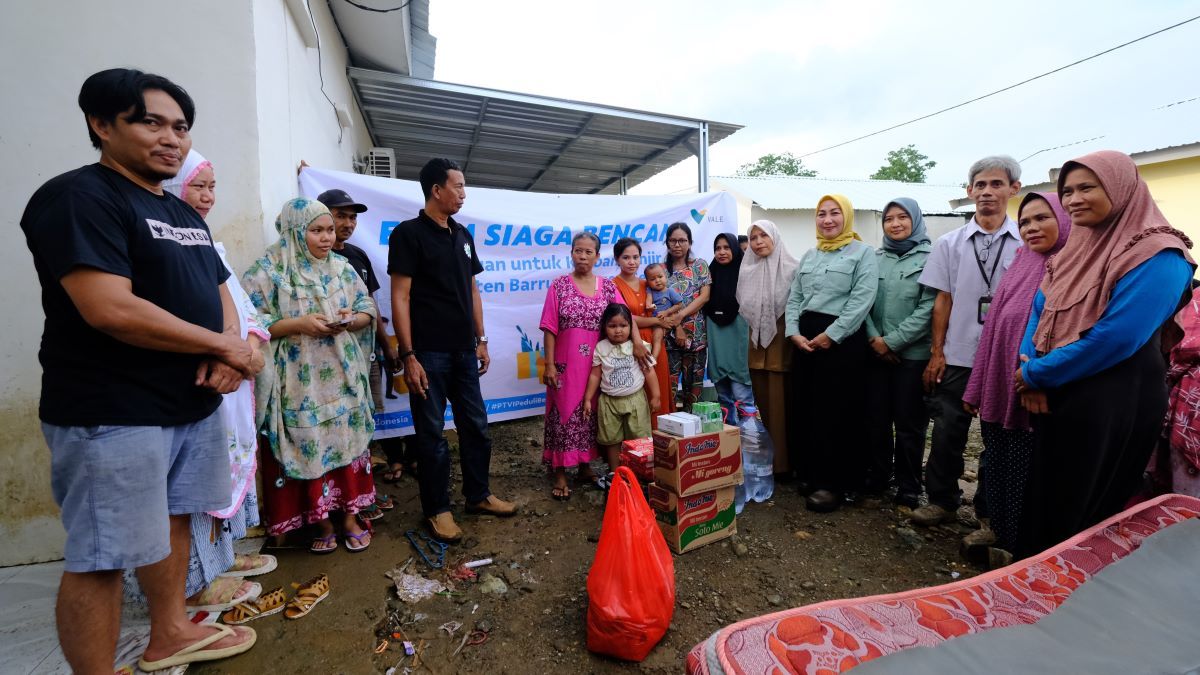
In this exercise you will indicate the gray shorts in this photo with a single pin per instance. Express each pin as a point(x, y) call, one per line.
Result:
point(117, 484)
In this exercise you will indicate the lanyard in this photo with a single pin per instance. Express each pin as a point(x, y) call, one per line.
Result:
point(987, 279)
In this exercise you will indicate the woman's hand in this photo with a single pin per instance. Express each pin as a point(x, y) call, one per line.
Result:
point(670, 321)
point(641, 353)
point(822, 341)
point(1019, 377)
point(883, 351)
point(681, 340)
point(313, 325)
point(551, 376)
point(1034, 400)
point(973, 411)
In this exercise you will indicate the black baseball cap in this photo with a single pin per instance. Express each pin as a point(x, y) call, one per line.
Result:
point(332, 198)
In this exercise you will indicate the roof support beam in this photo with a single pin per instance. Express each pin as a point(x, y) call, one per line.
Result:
point(475, 136)
point(678, 140)
point(561, 151)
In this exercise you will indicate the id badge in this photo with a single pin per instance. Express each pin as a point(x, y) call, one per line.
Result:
point(985, 303)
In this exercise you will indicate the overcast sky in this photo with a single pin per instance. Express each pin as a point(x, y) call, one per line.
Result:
point(804, 74)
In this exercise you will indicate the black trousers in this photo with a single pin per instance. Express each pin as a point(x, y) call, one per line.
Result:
point(897, 422)
point(1092, 448)
point(950, 426)
point(829, 448)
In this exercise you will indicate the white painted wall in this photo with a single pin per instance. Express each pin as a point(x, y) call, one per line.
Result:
point(259, 111)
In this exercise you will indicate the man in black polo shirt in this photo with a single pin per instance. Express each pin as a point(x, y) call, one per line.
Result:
point(439, 324)
point(345, 221)
point(141, 339)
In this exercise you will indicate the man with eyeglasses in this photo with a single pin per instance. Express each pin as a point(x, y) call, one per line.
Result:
point(965, 267)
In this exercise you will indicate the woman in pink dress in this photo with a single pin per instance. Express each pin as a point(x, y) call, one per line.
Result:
point(571, 327)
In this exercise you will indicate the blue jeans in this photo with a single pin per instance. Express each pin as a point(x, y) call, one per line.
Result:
point(730, 392)
point(453, 377)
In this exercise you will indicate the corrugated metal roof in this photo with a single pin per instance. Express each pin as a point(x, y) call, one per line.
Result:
point(520, 141)
point(793, 192)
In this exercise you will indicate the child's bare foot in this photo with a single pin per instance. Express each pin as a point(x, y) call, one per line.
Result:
point(561, 491)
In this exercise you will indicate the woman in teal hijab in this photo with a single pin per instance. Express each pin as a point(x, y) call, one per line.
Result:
point(898, 332)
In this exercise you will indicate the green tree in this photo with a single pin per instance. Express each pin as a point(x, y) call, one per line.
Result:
point(785, 164)
point(905, 164)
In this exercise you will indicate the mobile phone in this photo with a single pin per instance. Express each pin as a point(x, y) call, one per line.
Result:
point(340, 322)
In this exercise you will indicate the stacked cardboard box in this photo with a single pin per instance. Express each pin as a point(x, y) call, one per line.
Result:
point(694, 484)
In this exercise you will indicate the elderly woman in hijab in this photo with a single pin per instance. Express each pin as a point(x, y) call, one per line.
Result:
point(898, 332)
point(728, 334)
point(829, 300)
point(318, 416)
point(1008, 437)
point(1092, 371)
point(762, 292)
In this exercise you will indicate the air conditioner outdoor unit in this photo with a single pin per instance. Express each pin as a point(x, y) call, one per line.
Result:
point(381, 162)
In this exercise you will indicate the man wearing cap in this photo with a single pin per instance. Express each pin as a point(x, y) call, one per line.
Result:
point(345, 220)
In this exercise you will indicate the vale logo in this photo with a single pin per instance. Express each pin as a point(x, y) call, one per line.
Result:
point(698, 216)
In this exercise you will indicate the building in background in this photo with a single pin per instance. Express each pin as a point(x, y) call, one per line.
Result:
point(791, 203)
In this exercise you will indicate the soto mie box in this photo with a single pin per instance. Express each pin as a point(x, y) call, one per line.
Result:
point(700, 463)
point(691, 522)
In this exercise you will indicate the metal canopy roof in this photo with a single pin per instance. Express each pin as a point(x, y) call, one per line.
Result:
point(520, 141)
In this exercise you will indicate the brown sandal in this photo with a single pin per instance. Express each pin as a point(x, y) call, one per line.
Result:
point(267, 604)
point(307, 597)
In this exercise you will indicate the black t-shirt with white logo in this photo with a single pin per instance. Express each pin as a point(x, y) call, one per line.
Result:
point(362, 264)
point(94, 217)
point(442, 262)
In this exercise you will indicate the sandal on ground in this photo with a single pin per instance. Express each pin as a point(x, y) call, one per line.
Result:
point(223, 593)
point(560, 492)
point(384, 502)
point(392, 474)
point(372, 512)
point(267, 604)
point(357, 546)
point(330, 542)
point(307, 597)
point(196, 651)
point(251, 565)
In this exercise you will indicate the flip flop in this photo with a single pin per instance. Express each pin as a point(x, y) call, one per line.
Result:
point(196, 651)
point(392, 476)
point(267, 604)
point(385, 502)
point(223, 593)
point(560, 492)
point(307, 597)
point(328, 539)
point(372, 512)
point(357, 538)
point(251, 565)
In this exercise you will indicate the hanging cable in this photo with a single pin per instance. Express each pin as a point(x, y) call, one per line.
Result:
point(381, 11)
point(999, 91)
point(320, 69)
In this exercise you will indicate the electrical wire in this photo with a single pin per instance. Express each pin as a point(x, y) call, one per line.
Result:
point(381, 11)
point(320, 69)
point(1000, 91)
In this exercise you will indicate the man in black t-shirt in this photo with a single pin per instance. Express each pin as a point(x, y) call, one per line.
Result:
point(438, 316)
point(345, 220)
point(141, 339)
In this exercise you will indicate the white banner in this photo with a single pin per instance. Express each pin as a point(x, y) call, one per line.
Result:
point(524, 242)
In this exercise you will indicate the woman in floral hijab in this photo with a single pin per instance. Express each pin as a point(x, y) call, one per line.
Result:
point(318, 417)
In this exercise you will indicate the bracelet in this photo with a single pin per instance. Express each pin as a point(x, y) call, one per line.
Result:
point(405, 355)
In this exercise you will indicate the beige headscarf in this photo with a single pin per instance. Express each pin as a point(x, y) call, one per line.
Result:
point(763, 286)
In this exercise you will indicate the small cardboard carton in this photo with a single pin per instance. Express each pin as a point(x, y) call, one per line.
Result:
point(699, 463)
point(638, 455)
point(679, 424)
point(691, 522)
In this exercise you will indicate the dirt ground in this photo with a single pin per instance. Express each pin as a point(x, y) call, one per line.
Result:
point(783, 556)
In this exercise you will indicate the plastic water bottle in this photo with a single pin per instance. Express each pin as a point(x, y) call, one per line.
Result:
point(758, 456)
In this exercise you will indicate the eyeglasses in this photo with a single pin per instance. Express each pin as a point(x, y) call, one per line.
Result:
point(677, 242)
point(986, 241)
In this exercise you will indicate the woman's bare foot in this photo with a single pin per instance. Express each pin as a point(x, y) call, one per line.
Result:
point(561, 491)
point(326, 540)
point(351, 528)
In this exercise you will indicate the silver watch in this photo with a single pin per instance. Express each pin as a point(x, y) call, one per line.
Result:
point(481, 340)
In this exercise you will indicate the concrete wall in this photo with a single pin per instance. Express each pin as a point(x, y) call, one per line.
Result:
point(259, 111)
point(1176, 189)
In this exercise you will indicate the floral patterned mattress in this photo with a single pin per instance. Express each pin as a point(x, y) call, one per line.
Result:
point(833, 637)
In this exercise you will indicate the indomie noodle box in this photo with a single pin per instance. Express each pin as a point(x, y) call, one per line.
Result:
point(700, 463)
point(692, 522)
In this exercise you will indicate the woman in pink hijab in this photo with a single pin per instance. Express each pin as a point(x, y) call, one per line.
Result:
point(1093, 372)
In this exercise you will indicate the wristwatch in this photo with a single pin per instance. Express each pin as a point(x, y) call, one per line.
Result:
point(481, 340)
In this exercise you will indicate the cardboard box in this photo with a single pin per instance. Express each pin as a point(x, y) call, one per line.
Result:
point(688, 523)
point(699, 463)
point(679, 424)
point(638, 455)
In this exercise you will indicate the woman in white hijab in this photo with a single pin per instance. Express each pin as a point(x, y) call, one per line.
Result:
point(763, 285)
point(214, 572)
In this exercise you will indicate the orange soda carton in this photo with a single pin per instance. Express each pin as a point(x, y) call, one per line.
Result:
point(691, 522)
point(700, 463)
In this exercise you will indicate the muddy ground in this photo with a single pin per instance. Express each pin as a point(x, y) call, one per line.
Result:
point(783, 556)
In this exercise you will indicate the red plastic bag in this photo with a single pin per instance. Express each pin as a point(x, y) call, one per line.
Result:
point(631, 586)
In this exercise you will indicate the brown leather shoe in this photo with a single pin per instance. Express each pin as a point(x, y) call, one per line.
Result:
point(493, 506)
point(444, 528)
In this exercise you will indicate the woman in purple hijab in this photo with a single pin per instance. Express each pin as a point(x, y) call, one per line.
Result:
point(1008, 438)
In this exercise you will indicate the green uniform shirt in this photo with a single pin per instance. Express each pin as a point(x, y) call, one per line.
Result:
point(840, 283)
point(903, 307)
